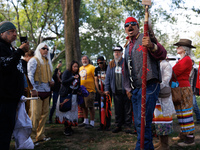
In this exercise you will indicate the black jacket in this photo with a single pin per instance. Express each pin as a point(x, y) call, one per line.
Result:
point(193, 82)
point(67, 81)
point(57, 83)
point(11, 73)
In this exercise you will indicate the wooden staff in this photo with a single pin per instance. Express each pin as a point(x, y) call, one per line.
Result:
point(147, 3)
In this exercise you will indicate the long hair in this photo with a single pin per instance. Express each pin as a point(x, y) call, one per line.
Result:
point(39, 56)
point(72, 63)
point(187, 51)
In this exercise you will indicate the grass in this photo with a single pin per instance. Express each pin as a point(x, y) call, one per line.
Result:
point(84, 139)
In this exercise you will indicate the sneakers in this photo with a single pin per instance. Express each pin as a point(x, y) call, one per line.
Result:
point(36, 143)
point(117, 129)
point(43, 140)
point(82, 125)
point(46, 139)
point(67, 132)
point(89, 126)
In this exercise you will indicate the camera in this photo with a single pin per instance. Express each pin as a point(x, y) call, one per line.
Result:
point(23, 39)
point(60, 61)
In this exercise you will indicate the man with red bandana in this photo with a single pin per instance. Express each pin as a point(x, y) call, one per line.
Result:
point(133, 76)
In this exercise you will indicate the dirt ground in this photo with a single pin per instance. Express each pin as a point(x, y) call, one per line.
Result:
point(104, 140)
point(92, 139)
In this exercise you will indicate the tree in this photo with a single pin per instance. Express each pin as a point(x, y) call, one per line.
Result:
point(101, 28)
point(71, 24)
point(40, 21)
point(102, 24)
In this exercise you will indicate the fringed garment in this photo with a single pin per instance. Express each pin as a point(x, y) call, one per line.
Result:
point(184, 111)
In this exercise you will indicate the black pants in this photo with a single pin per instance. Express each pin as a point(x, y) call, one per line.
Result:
point(7, 123)
point(123, 113)
point(108, 119)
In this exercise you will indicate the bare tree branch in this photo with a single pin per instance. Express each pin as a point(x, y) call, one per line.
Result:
point(30, 23)
point(18, 23)
point(1, 12)
point(55, 57)
point(45, 20)
point(47, 38)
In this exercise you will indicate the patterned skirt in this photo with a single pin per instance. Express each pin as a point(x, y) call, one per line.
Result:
point(163, 124)
point(69, 118)
point(184, 111)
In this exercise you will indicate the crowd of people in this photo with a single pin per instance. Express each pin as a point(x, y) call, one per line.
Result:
point(77, 88)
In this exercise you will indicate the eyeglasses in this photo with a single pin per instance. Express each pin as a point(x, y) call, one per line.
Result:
point(99, 63)
point(45, 48)
point(132, 23)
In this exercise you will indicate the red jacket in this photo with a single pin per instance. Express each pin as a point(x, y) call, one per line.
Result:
point(182, 70)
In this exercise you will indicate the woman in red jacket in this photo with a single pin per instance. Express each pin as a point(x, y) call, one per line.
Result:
point(184, 110)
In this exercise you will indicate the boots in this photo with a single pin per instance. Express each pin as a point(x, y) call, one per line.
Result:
point(157, 144)
point(189, 141)
point(163, 143)
point(181, 137)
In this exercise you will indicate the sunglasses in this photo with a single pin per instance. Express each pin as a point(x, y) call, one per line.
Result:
point(132, 23)
point(45, 48)
point(99, 63)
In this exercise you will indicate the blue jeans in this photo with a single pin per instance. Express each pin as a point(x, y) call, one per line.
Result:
point(152, 91)
point(55, 97)
point(196, 108)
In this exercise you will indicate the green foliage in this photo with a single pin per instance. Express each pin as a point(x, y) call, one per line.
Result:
point(134, 8)
point(39, 20)
point(103, 28)
point(101, 23)
point(196, 41)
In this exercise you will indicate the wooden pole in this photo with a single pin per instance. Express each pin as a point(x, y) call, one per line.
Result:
point(144, 77)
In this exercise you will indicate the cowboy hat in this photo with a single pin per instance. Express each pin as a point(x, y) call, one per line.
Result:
point(184, 42)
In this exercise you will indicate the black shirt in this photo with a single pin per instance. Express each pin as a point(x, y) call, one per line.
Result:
point(11, 72)
point(101, 75)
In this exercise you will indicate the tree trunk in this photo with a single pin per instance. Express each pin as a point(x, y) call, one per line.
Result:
point(71, 25)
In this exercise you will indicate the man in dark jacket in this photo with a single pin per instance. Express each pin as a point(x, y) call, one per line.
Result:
point(114, 80)
point(133, 76)
point(11, 81)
